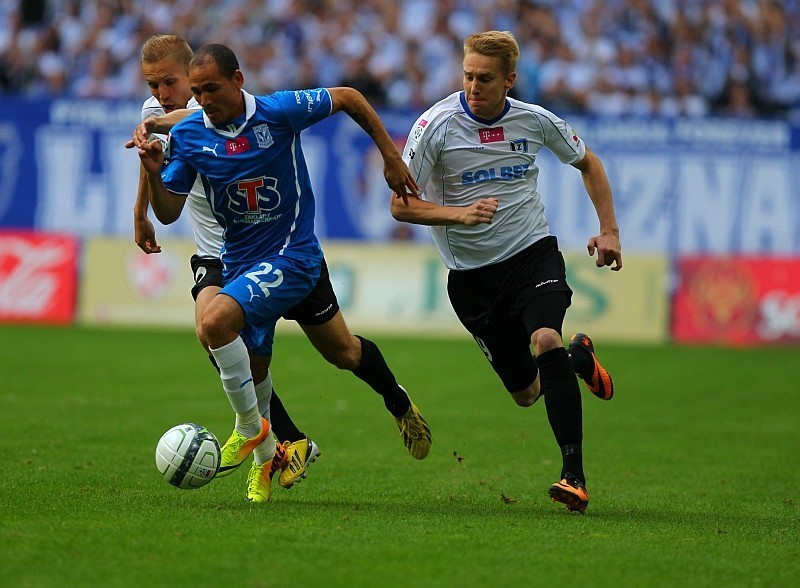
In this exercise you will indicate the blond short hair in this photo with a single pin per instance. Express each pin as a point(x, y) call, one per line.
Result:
point(160, 47)
point(500, 44)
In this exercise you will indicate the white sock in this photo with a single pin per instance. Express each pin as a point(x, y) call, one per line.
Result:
point(263, 395)
point(265, 450)
point(237, 381)
point(249, 423)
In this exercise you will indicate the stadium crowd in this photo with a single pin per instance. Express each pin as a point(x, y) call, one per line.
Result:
point(734, 58)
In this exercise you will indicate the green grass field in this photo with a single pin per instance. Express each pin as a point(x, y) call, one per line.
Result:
point(693, 471)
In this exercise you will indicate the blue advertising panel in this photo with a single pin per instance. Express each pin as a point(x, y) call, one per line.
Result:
point(704, 186)
point(18, 169)
point(701, 186)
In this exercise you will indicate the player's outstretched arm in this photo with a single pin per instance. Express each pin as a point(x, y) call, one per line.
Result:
point(422, 212)
point(395, 170)
point(156, 124)
point(606, 244)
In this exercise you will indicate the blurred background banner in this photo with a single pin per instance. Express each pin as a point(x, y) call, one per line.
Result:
point(123, 285)
point(398, 288)
point(38, 277)
point(737, 300)
point(681, 186)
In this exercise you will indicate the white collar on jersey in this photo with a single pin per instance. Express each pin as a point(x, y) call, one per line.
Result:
point(249, 111)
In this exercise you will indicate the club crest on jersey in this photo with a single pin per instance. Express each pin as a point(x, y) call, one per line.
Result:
point(492, 135)
point(263, 136)
point(519, 145)
point(164, 145)
point(237, 145)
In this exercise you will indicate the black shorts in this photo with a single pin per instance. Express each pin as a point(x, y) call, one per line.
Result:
point(319, 306)
point(207, 271)
point(502, 304)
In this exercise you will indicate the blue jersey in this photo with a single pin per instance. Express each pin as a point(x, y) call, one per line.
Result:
point(255, 175)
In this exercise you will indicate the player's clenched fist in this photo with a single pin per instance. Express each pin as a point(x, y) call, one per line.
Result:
point(482, 211)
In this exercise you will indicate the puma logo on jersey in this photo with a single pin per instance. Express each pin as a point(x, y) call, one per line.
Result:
point(506, 172)
point(211, 149)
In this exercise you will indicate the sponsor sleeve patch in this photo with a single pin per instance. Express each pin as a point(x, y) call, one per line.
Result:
point(419, 129)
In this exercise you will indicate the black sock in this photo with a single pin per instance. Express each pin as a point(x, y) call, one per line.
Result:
point(374, 371)
point(582, 362)
point(282, 424)
point(562, 399)
point(572, 462)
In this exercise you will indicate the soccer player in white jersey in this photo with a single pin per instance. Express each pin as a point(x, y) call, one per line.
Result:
point(473, 155)
point(248, 153)
point(165, 64)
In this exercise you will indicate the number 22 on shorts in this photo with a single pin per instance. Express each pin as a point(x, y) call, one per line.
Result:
point(262, 277)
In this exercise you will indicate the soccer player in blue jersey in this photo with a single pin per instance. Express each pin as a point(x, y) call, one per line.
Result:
point(473, 155)
point(247, 151)
point(165, 68)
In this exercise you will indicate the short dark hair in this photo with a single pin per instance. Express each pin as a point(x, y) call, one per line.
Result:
point(223, 56)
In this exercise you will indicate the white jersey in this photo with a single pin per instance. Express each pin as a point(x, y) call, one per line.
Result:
point(207, 231)
point(457, 159)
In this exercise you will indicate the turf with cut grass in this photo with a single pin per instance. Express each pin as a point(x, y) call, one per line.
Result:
point(693, 471)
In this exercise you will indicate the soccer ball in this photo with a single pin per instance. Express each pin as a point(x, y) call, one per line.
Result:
point(188, 456)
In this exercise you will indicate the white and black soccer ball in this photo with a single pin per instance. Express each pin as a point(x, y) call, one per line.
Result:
point(188, 456)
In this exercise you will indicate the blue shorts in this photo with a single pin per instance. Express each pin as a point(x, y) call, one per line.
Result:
point(268, 290)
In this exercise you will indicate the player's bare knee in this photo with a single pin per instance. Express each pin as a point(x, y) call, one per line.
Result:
point(214, 330)
point(528, 396)
point(209, 330)
point(543, 340)
point(525, 401)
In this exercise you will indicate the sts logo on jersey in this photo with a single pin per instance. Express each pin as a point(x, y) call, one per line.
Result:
point(254, 198)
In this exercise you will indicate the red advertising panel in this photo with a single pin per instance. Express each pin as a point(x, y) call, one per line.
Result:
point(737, 300)
point(37, 277)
